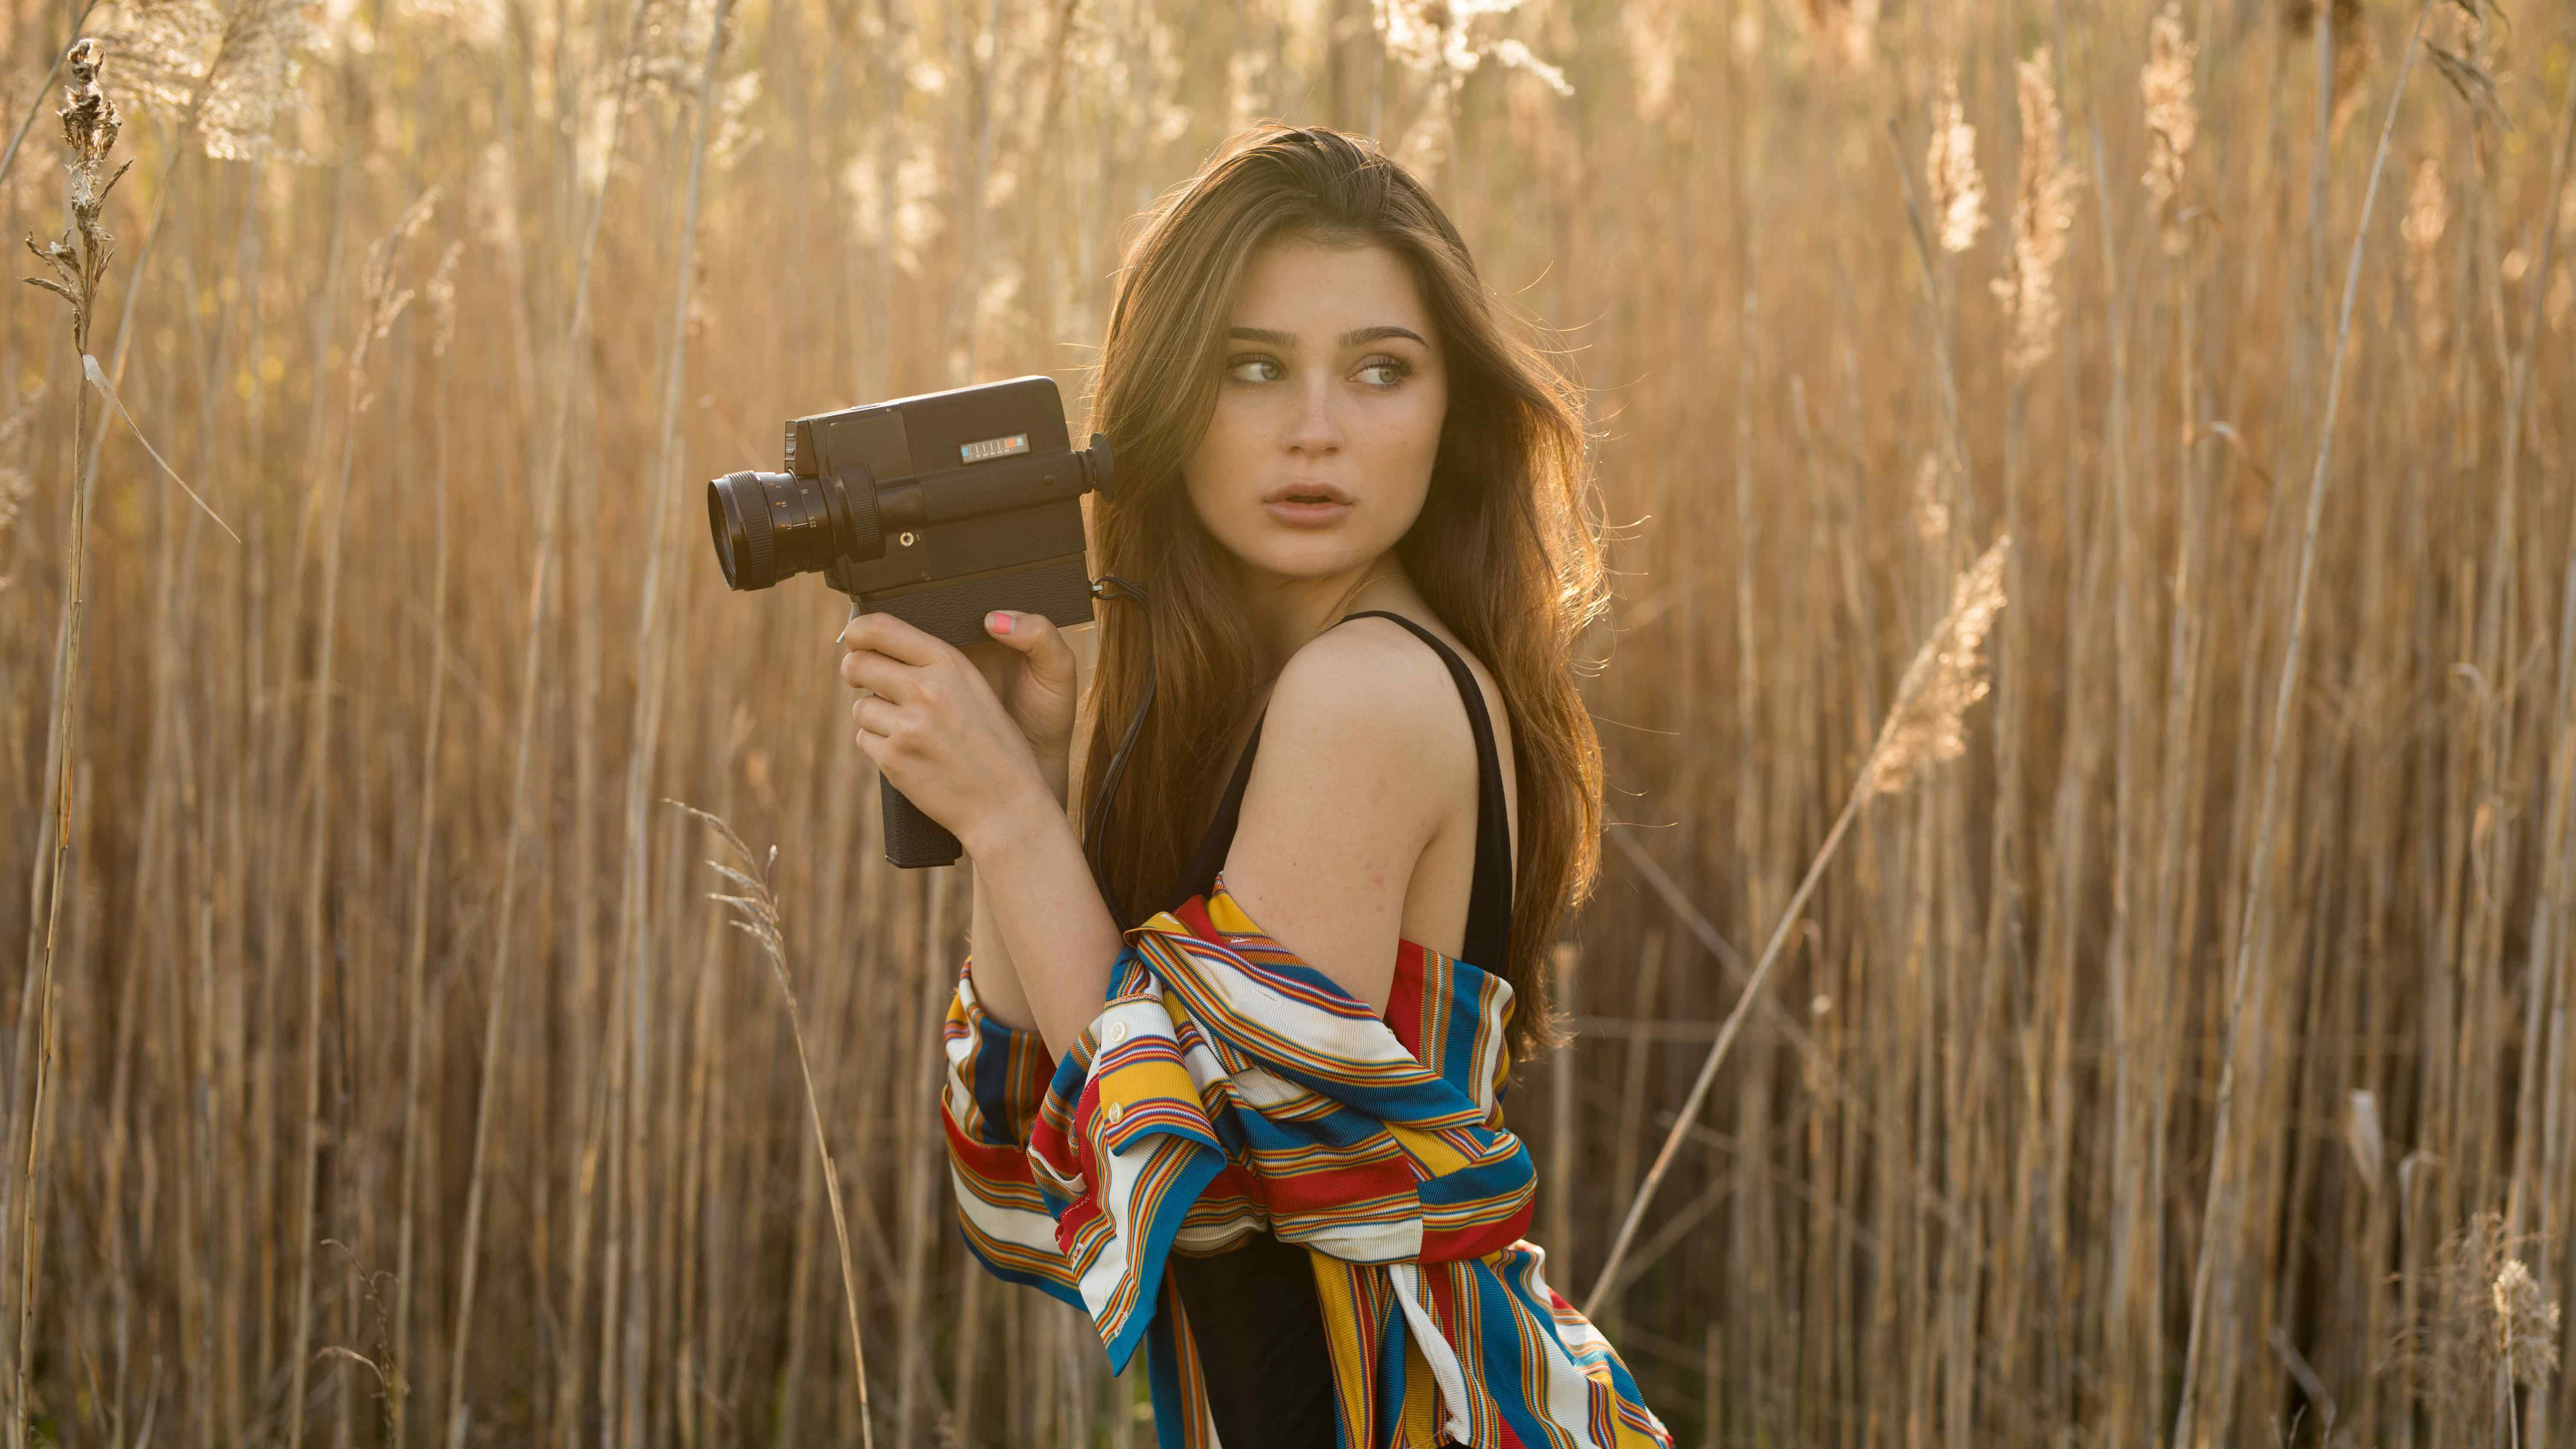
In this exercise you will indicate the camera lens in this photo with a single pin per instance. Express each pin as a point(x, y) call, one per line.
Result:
point(768, 526)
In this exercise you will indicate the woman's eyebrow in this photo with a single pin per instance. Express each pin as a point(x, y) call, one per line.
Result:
point(1352, 338)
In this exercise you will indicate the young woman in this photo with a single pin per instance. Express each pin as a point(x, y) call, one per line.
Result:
point(1231, 1082)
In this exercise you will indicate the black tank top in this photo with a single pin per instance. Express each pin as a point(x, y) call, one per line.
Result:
point(1253, 1311)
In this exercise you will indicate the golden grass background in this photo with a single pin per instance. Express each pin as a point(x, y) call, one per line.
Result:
point(369, 867)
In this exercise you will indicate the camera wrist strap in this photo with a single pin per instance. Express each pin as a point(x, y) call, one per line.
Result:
point(1094, 846)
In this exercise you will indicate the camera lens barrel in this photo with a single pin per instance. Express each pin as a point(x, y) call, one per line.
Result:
point(772, 526)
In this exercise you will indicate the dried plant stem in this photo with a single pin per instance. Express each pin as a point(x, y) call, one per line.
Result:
point(2537, 1110)
point(1560, 1168)
point(1953, 440)
point(1744, 1000)
point(652, 656)
point(1921, 730)
point(2216, 1235)
point(2551, 839)
point(1632, 1090)
point(549, 513)
point(78, 260)
point(384, 304)
point(226, 49)
point(66, 692)
point(416, 956)
point(757, 916)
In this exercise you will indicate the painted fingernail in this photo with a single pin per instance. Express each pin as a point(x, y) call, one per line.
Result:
point(999, 623)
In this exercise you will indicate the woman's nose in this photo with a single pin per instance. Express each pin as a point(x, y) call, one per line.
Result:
point(1316, 430)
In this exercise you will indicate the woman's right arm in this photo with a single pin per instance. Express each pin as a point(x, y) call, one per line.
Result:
point(1036, 671)
point(988, 960)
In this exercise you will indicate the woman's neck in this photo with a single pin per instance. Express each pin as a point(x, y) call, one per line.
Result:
point(1287, 612)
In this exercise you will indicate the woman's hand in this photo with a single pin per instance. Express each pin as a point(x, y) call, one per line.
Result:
point(1030, 669)
point(935, 727)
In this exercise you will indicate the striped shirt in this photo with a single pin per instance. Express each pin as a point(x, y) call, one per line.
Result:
point(1227, 1087)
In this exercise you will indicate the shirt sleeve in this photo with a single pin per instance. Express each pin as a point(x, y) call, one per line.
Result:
point(997, 1081)
point(1124, 1146)
point(1075, 1178)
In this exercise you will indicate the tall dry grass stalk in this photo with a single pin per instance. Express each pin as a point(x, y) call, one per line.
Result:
point(1925, 726)
point(78, 260)
point(2213, 1283)
point(549, 513)
point(386, 300)
point(756, 915)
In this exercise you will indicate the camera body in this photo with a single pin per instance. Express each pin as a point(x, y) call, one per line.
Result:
point(937, 509)
point(944, 579)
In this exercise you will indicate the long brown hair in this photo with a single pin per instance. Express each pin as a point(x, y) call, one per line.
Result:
point(1506, 549)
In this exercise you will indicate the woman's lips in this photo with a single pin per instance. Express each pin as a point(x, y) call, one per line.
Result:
point(1298, 513)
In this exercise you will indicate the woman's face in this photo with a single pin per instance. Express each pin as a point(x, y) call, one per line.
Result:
point(1328, 416)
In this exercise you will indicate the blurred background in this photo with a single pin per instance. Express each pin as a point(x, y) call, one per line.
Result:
point(2185, 1061)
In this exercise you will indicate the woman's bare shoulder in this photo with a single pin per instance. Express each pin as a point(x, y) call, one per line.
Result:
point(1362, 764)
point(1370, 684)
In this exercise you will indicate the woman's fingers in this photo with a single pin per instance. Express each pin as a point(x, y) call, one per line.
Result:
point(1035, 637)
point(874, 716)
point(892, 637)
point(879, 674)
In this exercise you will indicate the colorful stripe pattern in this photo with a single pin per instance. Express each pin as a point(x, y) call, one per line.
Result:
point(1227, 1087)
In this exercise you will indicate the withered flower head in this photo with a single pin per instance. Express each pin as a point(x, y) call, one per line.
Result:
point(90, 122)
point(79, 256)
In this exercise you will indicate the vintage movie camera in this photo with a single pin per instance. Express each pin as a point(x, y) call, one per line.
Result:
point(937, 509)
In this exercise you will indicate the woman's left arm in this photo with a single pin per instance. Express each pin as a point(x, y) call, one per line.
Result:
point(940, 735)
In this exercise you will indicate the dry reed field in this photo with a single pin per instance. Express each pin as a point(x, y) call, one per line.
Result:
point(2171, 1048)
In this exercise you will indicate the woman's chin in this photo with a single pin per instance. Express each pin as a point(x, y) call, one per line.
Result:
point(1301, 554)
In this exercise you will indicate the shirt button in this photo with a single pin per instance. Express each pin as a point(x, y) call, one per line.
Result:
point(1117, 1032)
point(1112, 1113)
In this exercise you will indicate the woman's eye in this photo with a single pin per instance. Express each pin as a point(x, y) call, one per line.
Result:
point(1384, 373)
point(1251, 369)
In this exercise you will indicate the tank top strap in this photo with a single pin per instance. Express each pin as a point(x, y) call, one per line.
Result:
point(1489, 897)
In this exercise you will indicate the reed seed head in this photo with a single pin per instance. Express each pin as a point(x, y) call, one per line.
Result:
point(1840, 32)
point(385, 302)
point(2173, 116)
point(755, 911)
point(1950, 161)
point(2043, 208)
point(2486, 1323)
point(2526, 1324)
point(1431, 38)
point(17, 485)
point(441, 288)
point(2428, 215)
point(228, 72)
point(1931, 514)
point(2363, 1139)
point(1948, 675)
